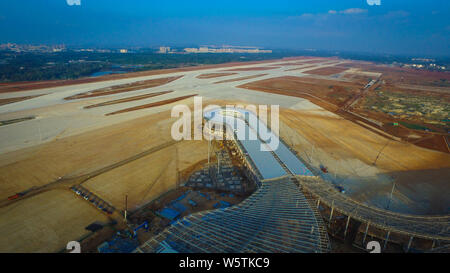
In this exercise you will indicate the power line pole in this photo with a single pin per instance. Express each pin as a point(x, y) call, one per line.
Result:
point(209, 148)
point(126, 208)
point(379, 154)
point(218, 162)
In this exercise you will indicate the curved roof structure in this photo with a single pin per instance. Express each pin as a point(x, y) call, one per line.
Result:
point(276, 218)
point(427, 227)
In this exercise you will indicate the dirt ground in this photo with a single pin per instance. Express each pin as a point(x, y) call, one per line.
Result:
point(134, 98)
point(17, 99)
point(307, 61)
point(335, 92)
point(326, 71)
point(214, 75)
point(398, 75)
point(150, 105)
point(241, 78)
point(142, 179)
point(147, 178)
point(321, 137)
point(262, 68)
point(80, 154)
point(300, 68)
point(24, 86)
point(335, 95)
point(46, 222)
point(124, 88)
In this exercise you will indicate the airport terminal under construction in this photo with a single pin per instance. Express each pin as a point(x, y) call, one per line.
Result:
point(283, 214)
point(94, 161)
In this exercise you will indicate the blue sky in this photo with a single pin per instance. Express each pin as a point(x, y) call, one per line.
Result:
point(395, 26)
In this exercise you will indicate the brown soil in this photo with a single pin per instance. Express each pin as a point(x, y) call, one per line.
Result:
point(301, 68)
point(398, 75)
point(325, 91)
point(332, 99)
point(150, 105)
point(33, 223)
point(124, 88)
point(141, 97)
point(315, 61)
point(24, 86)
point(148, 177)
point(214, 75)
point(46, 222)
point(326, 71)
point(12, 121)
point(262, 68)
point(299, 58)
point(241, 78)
point(12, 100)
point(421, 173)
point(80, 154)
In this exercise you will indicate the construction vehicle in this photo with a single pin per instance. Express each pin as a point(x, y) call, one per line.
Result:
point(13, 197)
point(144, 225)
point(340, 189)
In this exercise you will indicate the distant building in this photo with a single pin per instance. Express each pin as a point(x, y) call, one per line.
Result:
point(32, 48)
point(191, 50)
point(226, 49)
point(164, 50)
point(123, 51)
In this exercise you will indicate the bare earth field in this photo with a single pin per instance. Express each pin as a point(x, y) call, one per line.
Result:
point(350, 151)
point(147, 178)
point(150, 105)
point(300, 68)
point(124, 88)
point(336, 92)
point(326, 71)
point(24, 86)
point(397, 75)
point(17, 99)
point(255, 68)
point(46, 222)
point(141, 97)
point(67, 140)
point(79, 154)
point(241, 78)
point(214, 75)
point(416, 106)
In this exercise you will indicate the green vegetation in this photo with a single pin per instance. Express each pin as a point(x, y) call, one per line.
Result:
point(441, 83)
point(430, 109)
point(413, 126)
point(72, 65)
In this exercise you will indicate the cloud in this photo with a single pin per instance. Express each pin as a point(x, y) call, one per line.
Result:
point(348, 11)
point(374, 2)
point(353, 11)
point(74, 2)
point(329, 14)
point(397, 14)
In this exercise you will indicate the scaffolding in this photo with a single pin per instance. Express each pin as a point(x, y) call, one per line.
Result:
point(434, 228)
point(277, 218)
